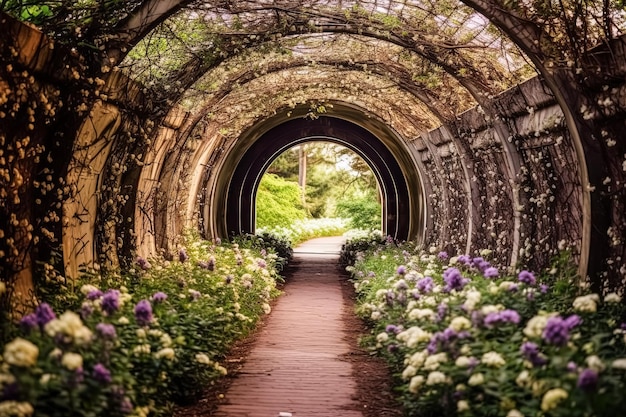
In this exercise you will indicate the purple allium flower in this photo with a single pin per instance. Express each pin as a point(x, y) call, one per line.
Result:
point(510, 316)
point(143, 263)
point(531, 352)
point(454, 280)
point(182, 255)
point(29, 322)
point(556, 331)
point(106, 331)
point(101, 373)
point(159, 297)
point(587, 380)
point(392, 348)
point(442, 255)
point(480, 264)
point(573, 321)
point(263, 252)
point(442, 309)
point(44, 314)
point(143, 313)
point(544, 288)
point(94, 295)
point(571, 366)
point(527, 277)
point(401, 270)
point(491, 272)
point(513, 288)
point(391, 328)
point(111, 301)
point(464, 260)
point(389, 297)
point(261, 263)
point(425, 285)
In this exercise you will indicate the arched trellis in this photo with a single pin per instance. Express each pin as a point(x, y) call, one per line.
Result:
point(401, 208)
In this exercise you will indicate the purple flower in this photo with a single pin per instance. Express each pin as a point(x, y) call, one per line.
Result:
point(544, 288)
point(513, 288)
point(143, 313)
point(587, 380)
point(44, 314)
point(531, 352)
point(556, 331)
point(573, 321)
point(391, 328)
point(159, 297)
point(454, 280)
point(464, 260)
point(86, 310)
point(101, 373)
point(442, 309)
point(491, 272)
point(261, 263)
point(425, 285)
point(29, 322)
point(111, 301)
point(401, 270)
point(442, 255)
point(195, 294)
point(106, 331)
point(182, 255)
point(94, 295)
point(527, 277)
point(143, 263)
point(505, 316)
point(480, 264)
point(571, 366)
point(389, 297)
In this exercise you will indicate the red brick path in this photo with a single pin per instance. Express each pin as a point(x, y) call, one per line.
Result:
point(295, 365)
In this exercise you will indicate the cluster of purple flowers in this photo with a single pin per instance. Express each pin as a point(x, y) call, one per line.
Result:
point(491, 273)
point(143, 263)
point(110, 301)
point(401, 270)
point(557, 329)
point(101, 373)
point(42, 315)
point(106, 331)
point(527, 278)
point(444, 339)
point(182, 255)
point(454, 280)
point(587, 380)
point(504, 316)
point(425, 285)
point(531, 352)
point(480, 264)
point(143, 313)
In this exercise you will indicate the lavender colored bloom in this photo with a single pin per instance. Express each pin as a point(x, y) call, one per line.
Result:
point(111, 301)
point(513, 288)
point(86, 310)
point(29, 322)
point(464, 260)
point(425, 285)
point(505, 316)
point(261, 263)
point(159, 297)
point(573, 321)
point(143, 263)
point(556, 331)
point(454, 280)
point(44, 314)
point(392, 348)
point(106, 331)
point(491, 272)
point(389, 297)
point(587, 380)
point(391, 328)
point(480, 264)
point(182, 255)
point(442, 255)
point(442, 309)
point(544, 288)
point(531, 352)
point(94, 295)
point(195, 294)
point(401, 270)
point(571, 366)
point(527, 277)
point(263, 252)
point(143, 313)
point(101, 373)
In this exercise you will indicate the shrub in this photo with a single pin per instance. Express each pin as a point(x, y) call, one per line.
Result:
point(278, 202)
point(364, 212)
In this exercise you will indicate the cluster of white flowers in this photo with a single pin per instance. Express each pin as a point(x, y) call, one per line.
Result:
point(20, 352)
point(70, 327)
point(586, 303)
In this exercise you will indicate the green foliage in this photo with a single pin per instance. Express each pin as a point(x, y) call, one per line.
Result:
point(267, 241)
point(278, 203)
point(364, 212)
point(465, 339)
point(103, 357)
point(303, 230)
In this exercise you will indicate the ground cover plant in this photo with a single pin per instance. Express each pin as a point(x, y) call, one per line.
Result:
point(465, 338)
point(135, 343)
point(303, 230)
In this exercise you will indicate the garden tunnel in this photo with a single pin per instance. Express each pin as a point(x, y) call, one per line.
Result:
point(122, 127)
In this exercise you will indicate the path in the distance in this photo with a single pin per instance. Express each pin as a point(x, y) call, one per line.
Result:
point(295, 366)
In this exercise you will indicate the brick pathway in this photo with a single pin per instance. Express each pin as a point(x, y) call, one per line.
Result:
point(295, 365)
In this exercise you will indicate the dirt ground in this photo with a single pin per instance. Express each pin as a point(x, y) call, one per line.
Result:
point(373, 394)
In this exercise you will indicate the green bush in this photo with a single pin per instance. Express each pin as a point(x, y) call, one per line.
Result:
point(278, 202)
point(364, 212)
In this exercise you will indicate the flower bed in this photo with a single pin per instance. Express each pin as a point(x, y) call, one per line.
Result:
point(467, 339)
point(134, 344)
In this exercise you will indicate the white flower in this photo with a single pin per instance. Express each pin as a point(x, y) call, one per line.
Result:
point(409, 372)
point(476, 379)
point(17, 409)
point(612, 298)
point(167, 353)
point(586, 303)
point(417, 359)
point(375, 315)
point(422, 313)
point(413, 335)
point(595, 363)
point(432, 362)
point(490, 308)
point(141, 349)
point(123, 320)
point(514, 413)
point(435, 378)
point(473, 298)
point(267, 309)
point(534, 327)
point(552, 398)
point(382, 337)
point(523, 379)
point(21, 352)
point(219, 368)
point(87, 288)
point(493, 359)
point(72, 361)
point(415, 384)
point(460, 323)
point(71, 326)
point(462, 362)
point(462, 405)
point(619, 363)
point(203, 358)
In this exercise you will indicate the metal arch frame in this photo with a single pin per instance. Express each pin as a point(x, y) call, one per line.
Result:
point(243, 185)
